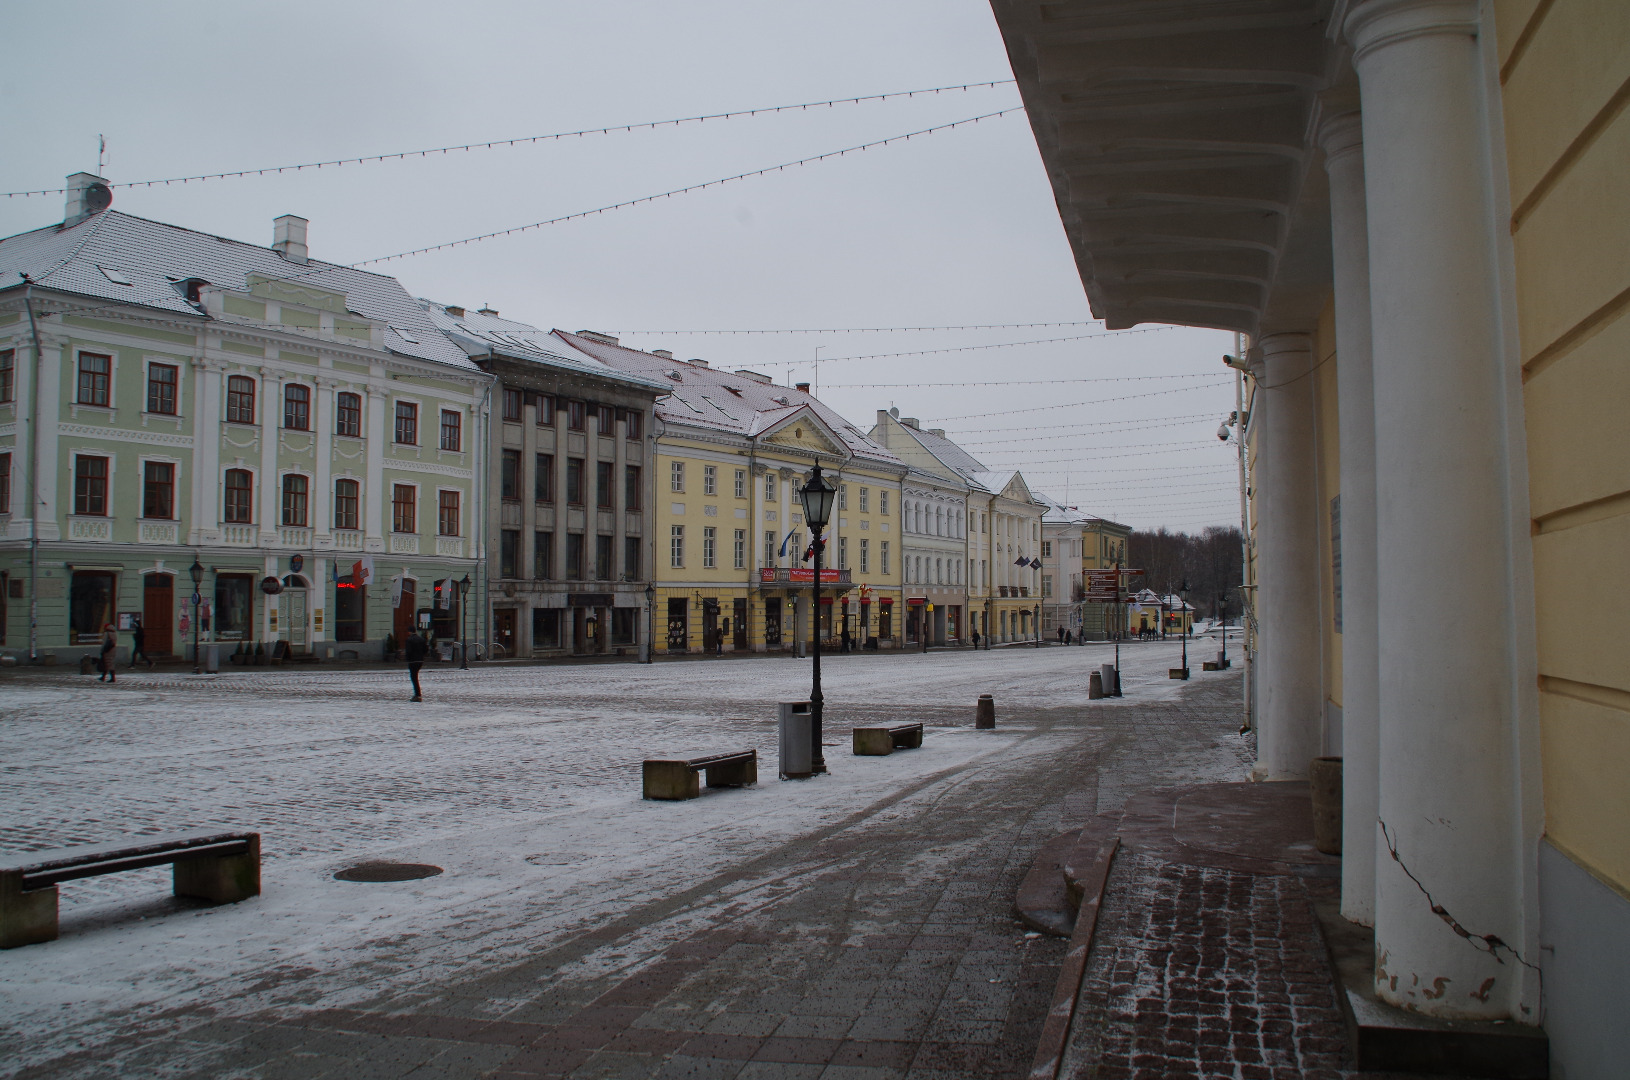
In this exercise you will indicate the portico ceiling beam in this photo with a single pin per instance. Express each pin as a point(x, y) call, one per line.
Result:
point(1291, 56)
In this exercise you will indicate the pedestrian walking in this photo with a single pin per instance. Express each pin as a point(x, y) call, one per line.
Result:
point(976, 639)
point(106, 662)
point(848, 642)
point(1061, 635)
point(138, 643)
point(415, 650)
point(718, 638)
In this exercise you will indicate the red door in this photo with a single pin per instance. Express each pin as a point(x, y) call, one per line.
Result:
point(158, 601)
point(402, 624)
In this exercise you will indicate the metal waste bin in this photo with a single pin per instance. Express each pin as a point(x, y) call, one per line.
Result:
point(796, 751)
point(1112, 680)
point(212, 658)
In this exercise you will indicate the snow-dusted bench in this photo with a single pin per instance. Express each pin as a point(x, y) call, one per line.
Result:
point(223, 867)
point(678, 778)
point(877, 741)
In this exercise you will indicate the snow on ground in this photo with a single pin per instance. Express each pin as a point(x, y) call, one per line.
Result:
point(522, 782)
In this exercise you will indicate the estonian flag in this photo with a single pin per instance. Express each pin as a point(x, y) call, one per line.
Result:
point(784, 541)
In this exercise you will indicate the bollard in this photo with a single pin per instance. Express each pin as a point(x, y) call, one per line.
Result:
point(985, 712)
point(1112, 680)
point(1095, 686)
point(1324, 782)
point(1177, 673)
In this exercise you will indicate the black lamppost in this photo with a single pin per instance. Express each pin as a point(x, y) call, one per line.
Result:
point(650, 622)
point(1222, 613)
point(817, 499)
point(197, 573)
point(463, 624)
point(1182, 625)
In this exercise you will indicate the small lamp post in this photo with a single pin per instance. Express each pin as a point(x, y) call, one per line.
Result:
point(817, 498)
point(197, 573)
point(1182, 615)
point(650, 622)
point(463, 623)
point(1222, 613)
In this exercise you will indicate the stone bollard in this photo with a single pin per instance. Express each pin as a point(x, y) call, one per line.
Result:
point(1324, 782)
point(1095, 686)
point(985, 712)
point(1112, 680)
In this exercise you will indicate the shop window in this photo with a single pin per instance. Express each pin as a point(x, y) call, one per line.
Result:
point(347, 494)
point(234, 606)
point(91, 486)
point(348, 415)
point(158, 490)
point(625, 626)
point(297, 407)
point(95, 378)
point(161, 387)
point(240, 400)
point(677, 630)
point(240, 497)
point(452, 430)
point(91, 602)
point(545, 628)
point(350, 611)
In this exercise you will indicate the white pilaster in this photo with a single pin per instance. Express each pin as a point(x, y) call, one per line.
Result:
point(271, 484)
point(51, 504)
point(1341, 137)
point(375, 497)
point(1450, 878)
point(1289, 725)
point(206, 457)
point(320, 509)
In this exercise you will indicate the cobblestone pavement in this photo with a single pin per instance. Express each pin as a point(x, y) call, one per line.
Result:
point(857, 927)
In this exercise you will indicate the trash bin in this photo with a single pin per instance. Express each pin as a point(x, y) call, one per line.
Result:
point(796, 751)
point(212, 658)
point(1112, 680)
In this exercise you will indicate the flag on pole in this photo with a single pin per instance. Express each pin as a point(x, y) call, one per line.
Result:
point(787, 539)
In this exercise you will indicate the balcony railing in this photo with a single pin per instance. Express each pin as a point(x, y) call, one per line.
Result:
point(294, 536)
point(90, 528)
point(241, 535)
point(451, 547)
point(156, 532)
point(404, 543)
point(348, 539)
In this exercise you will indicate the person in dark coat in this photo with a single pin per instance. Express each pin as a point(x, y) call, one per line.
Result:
point(138, 643)
point(415, 649)
point(848, 641)
point(110, 643)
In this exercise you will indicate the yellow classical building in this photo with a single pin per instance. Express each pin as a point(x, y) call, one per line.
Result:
point(732, 451)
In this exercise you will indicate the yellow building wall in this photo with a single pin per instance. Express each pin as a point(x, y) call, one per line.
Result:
point(1565, 75)
point(1327, 434)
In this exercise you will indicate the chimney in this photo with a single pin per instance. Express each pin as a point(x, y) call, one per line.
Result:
point(698, 363)
point(595, 335)
point(802, 388)
point(455, 311)
point(87, 194)
point(937, 431)
point(666, 354)
point(485, 310)
point(289, 238)
point(756, 377)
point(910, 422)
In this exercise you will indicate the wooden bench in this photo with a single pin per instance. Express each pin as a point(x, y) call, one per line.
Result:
point(222, 867)
point(877, 741)
point(678, 778)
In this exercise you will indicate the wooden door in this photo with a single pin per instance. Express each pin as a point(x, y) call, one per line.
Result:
point(402, 617)
point(293, 617)
point(157, 620)
point(503, 629)
point(738, 623)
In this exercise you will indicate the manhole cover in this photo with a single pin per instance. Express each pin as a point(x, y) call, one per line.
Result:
point(387, 871)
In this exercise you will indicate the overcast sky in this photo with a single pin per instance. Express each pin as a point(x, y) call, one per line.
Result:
point(953, 228)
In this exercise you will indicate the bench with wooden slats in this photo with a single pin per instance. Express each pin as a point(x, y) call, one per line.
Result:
point(222, 867)
point(878, 741)
point(679, 778)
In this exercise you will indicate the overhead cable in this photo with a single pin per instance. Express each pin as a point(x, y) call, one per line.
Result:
point(868, 329)
point(690, 188)
point(998, 382)
point(1096, 401)
point(998, 345)
point(522, 140)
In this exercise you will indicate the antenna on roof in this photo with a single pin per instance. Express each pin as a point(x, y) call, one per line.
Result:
point(101, 152)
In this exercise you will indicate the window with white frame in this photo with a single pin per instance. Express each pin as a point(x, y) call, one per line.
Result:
point(676, 546)
point(676, 478)
point(739, 550)
point(710, 541)
point(741, 483)
point(710, 480)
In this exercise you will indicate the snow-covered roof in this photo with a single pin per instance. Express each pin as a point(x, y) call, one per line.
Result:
point(702, 396)
point(1060, 514)
point(133, 261)
point(480, 333)
point(952, 455)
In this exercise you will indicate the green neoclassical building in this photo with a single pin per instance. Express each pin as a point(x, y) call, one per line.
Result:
point(297, 432)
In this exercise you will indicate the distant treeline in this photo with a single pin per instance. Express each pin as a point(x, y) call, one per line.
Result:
point(1211, 562)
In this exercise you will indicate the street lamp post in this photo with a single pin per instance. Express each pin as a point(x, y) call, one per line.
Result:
point(197, 573)
point(1222, 612)
point(1182, 616)
point(463, 623)
point(817, 499)
point(650, 622)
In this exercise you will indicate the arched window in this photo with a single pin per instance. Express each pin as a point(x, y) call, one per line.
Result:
point(240, 400)
point(297, 407)
point(294, 499)
point(346, 496)
point(348, 415)
point(240, 497)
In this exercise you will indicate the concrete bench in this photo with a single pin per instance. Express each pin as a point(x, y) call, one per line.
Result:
point(679, 778)
point(222, 867)
point(877, 741)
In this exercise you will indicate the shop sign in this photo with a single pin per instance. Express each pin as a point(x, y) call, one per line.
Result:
point(797, 575)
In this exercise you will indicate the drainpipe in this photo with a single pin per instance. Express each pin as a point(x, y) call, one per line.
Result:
point(33, 481)
point(482, 569)
point(1242, 425)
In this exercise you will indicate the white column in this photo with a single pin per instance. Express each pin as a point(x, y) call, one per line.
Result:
point(1289, 725)
point(321, 507)
point(1452, 876)
point(1341, 138)
point(51, 504)
point(206, 456)
point(374, 496)
point(271, 485)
